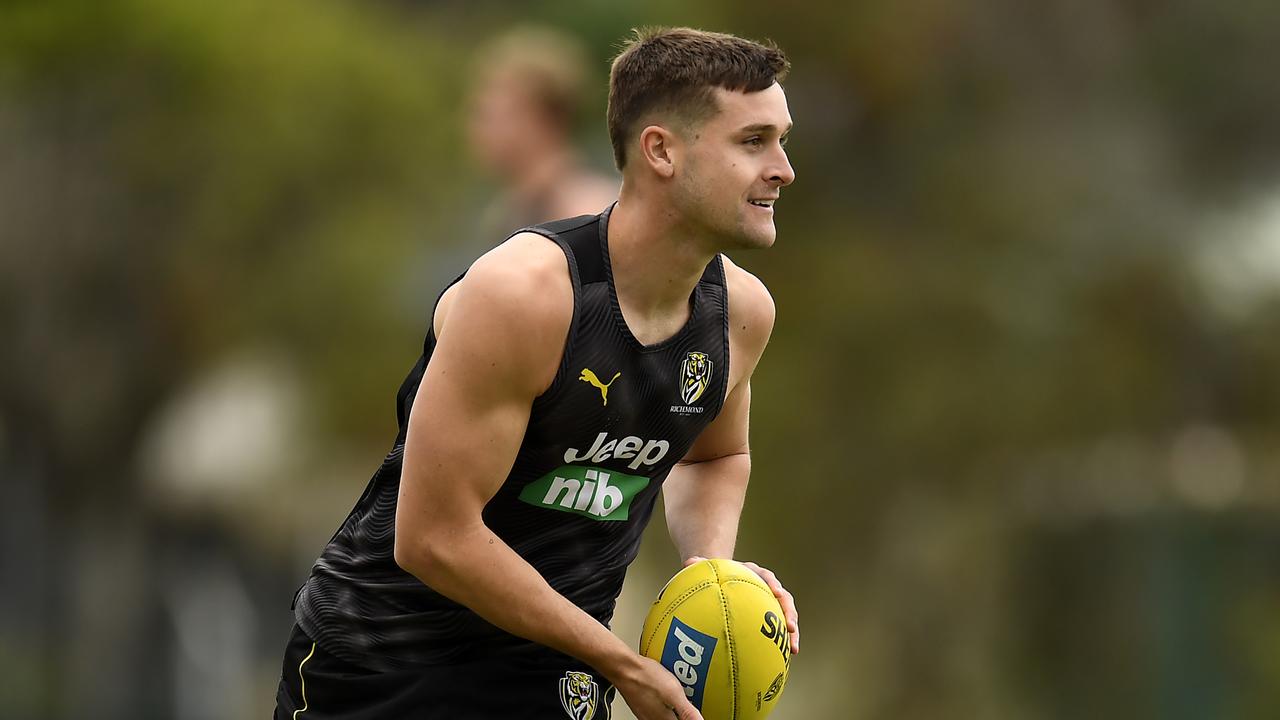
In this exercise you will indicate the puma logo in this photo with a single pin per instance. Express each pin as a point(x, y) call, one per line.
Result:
point(589, 377)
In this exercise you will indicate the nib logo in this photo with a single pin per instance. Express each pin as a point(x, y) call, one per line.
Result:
point(590, 492)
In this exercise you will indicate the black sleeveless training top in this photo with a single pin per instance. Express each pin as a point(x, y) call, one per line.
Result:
point(599, 443)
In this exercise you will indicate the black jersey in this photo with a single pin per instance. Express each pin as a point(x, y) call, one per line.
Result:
point(599, 443)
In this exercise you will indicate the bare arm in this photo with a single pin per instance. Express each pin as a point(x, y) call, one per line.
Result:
point(705, 491)
point(465, 429)
point(704, 494)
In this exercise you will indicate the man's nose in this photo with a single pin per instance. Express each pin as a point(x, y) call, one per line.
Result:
point(783, 174)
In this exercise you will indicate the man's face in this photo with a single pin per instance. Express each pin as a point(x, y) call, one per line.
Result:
point(735, 167)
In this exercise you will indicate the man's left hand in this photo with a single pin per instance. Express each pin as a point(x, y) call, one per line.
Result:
point(785, 599)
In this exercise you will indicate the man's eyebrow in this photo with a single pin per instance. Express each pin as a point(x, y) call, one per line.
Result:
point(765, 127)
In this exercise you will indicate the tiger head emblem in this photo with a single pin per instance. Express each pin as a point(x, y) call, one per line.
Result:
point(695, 376)
point(579, 695)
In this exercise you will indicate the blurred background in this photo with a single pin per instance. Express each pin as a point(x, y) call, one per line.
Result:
point(1016, 438)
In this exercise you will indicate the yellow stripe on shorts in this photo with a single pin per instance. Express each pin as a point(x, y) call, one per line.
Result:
point(304, 682)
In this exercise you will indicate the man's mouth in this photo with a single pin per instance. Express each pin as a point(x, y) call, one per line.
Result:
point(763, 203)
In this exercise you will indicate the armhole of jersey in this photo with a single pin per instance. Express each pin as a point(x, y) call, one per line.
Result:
point(429, 344)
point(576, 281)
point(407, 394)
point(728, 354)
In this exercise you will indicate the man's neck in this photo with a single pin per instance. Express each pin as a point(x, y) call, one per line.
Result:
point(656, 263)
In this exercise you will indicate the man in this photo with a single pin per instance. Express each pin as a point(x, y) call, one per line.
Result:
point(576, 370)
point(527, 86)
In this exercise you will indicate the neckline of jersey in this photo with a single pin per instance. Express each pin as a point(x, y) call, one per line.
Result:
point(616, 307)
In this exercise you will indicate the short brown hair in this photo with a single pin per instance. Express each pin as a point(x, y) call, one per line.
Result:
point(674, 70)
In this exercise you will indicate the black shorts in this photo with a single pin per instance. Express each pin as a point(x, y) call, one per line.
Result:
point(534, 682)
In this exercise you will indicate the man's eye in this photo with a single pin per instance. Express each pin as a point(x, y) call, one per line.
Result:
point(754, 142)
point(784, 140)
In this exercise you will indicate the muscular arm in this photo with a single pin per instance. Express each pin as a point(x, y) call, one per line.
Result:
point(464, 431)
point(705, 492)
point(500, 337)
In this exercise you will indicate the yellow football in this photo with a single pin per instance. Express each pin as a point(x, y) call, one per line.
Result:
point(718, 628)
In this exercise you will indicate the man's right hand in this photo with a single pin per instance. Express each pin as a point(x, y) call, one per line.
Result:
point(653, 693)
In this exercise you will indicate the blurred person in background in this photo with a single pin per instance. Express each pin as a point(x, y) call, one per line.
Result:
point(528, 86)
point(478, 571)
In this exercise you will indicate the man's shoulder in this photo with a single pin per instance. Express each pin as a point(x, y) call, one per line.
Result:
point(751, 307)
point(523, 280)
point(512, 310)
point(524, 253)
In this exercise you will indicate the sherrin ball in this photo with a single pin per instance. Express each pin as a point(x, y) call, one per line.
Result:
point(718, 628)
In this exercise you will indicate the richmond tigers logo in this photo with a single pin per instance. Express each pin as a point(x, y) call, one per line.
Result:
point(579, 695)
point(695, 376)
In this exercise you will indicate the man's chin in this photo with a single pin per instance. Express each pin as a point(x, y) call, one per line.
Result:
point(757, 238)
point(748, 236)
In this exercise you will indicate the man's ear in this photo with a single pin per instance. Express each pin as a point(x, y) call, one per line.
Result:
point(658, 150)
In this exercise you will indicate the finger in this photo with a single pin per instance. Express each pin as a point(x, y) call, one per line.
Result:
point(788, 603)
point(793, 625)
point(792, 615)
point(686, 711)
point(785, 599)
point(693, 559)
point(768, 577)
